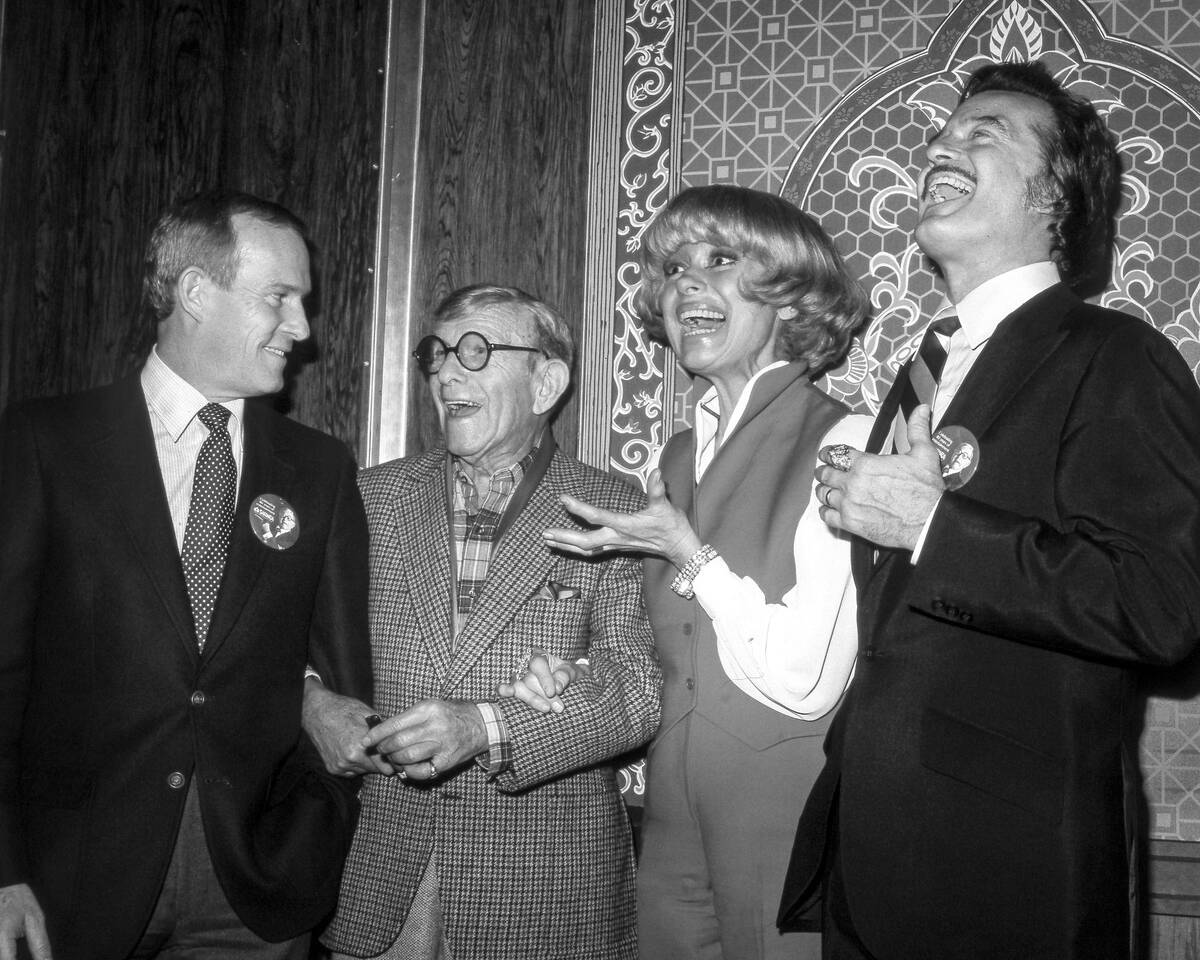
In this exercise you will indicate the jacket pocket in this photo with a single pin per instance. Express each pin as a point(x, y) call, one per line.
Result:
point(1007, 769)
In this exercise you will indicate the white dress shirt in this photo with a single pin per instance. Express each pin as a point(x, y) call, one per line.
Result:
point(796, 656)
point(178, 435)
point(979, 314)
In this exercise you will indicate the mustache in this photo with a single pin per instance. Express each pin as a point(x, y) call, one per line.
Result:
point(944, 168)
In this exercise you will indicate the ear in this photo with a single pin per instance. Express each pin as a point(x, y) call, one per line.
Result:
point(787, 313)
point(191, 290)
point(551, 382)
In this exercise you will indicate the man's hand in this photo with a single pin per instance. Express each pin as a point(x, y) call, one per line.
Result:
point(337, 725)
point(20, 916)
point(430, 738)
point(659, 528)
point(545, 680)
point(883, 499)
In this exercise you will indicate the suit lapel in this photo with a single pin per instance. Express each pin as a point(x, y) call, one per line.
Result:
point(265, 469)
point(1022, 342)
point(519, 565)
point(125, 459)
point(422, 531)
point(862, 552)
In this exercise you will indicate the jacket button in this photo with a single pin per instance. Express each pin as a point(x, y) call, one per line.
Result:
point(198, 698)
point(176, 780)
point(869, 652)
point(687, 629)
point(965, 617)
point(690, 683)
point(937, 605)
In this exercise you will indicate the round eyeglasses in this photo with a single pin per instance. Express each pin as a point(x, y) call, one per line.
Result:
point(473, 351)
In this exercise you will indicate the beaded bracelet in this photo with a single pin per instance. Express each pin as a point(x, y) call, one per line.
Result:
point(682, 584)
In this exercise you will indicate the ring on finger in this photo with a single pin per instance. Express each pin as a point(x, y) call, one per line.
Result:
point(828, 492)
point(839, 456)
point(432, 769)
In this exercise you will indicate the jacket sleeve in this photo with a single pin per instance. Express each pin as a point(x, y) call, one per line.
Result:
point(1116, 574)
point(608, 713)
point(22, 559)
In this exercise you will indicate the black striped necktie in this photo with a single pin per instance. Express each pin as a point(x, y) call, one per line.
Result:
point(210, 518)
point(924, 372)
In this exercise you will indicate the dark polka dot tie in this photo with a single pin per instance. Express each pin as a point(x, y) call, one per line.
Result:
point(210, 518)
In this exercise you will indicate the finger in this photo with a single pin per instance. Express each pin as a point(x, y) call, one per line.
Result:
point(401, 752)
point(539, 671)
point(840, 456)
point(919, 426)
point(597, 516)
point(531, 697)
point(564, 676)
point(8, 949)
point(580, 542)
point(656, 487)
point(38, 939)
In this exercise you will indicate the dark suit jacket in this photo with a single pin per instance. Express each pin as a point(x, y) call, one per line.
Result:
point(107, 709)
point(983, 766)
point(537, 862)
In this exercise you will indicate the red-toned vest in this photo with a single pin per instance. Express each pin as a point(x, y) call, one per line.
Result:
point(747, 506)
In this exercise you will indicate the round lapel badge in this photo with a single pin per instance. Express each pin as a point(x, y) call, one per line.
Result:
point(959, 452)
point(274, 521)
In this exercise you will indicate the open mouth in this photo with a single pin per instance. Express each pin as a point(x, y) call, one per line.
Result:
point(459, 408)
point(947, 183)
point(700, 320)
point(277, 351)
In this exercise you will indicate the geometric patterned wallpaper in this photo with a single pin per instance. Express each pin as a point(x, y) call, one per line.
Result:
point(830, 102)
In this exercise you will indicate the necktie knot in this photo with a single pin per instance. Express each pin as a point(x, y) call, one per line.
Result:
point(214, 416)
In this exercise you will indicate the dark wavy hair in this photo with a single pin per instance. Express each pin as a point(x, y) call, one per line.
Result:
point(199, 232)
point(1082, 179)
point(802, 267)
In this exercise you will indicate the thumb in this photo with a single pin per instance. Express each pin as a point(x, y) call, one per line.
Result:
point(656, 488)
point(919, 433)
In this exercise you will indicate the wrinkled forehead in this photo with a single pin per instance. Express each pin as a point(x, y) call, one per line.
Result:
point(500, 323)
point(1011, 113)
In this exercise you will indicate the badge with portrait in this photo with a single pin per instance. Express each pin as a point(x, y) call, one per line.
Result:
point(958, 449)
point(274, 521)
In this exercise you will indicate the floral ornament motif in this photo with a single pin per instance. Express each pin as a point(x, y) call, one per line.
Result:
point(1184, 332)
point(632, 778)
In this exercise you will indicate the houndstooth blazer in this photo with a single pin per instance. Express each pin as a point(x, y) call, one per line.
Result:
point(537, 862)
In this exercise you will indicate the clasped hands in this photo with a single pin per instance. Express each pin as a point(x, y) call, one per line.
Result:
point(884, 499)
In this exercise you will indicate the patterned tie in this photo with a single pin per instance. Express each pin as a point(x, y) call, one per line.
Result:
point(924, 372)
point(210, 518)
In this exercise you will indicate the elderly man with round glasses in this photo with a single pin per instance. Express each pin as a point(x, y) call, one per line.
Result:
point(503, 833)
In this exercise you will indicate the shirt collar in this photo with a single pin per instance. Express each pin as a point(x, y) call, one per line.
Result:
point(708, 410)
point(981, 310)
point(175, 401)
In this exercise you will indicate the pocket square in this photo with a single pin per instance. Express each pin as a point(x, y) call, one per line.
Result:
point(553, 590)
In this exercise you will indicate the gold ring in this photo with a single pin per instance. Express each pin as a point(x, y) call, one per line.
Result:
point(432, 769)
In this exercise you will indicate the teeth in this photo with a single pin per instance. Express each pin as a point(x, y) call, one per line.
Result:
point(945, 185)
point(276, 351)
point(696, 315)
point(455, 407)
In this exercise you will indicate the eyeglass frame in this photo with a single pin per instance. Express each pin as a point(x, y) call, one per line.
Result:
point(491, 348)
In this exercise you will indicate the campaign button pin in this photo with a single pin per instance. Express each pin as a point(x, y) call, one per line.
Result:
point(274, 521)
point(959, 452)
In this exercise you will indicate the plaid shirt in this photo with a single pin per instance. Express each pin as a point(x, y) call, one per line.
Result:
point(475, 525)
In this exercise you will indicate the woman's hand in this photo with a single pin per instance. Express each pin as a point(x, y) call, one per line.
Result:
point(659, 528)
point(546, 678)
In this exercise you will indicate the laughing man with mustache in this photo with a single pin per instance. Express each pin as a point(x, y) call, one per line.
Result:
point(979, 793)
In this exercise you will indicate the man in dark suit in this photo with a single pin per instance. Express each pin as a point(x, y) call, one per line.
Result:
point(156, 791)
point(503, 836)
point(981, 786)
